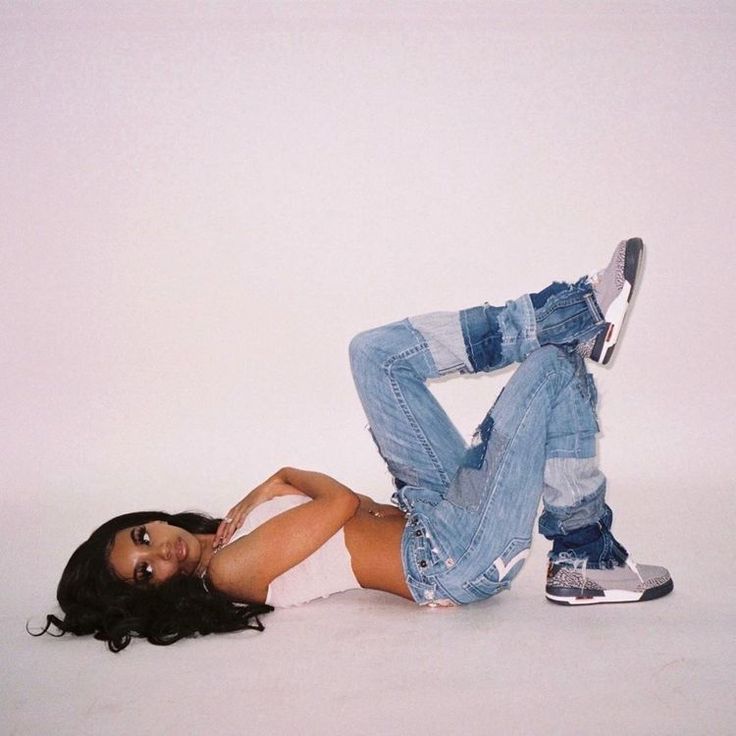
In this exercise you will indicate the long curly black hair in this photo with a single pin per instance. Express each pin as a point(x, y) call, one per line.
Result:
point(95, 601)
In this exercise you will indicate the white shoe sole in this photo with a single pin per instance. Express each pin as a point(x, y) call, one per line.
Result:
point(613, 595)
point(608, 596)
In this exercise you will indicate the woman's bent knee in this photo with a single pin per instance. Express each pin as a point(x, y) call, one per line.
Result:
point(377, 345)
point(362, 347)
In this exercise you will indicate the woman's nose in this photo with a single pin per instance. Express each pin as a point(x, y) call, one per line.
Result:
point(165, 550)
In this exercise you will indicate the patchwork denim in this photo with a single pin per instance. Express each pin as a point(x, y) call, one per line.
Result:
point(471, 509)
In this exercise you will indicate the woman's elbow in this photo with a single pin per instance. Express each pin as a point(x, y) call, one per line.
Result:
point(352, 505)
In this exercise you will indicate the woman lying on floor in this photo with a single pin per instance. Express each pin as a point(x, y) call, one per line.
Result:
point(463, 520)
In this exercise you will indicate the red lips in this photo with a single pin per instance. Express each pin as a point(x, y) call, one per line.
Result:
point(181, 550)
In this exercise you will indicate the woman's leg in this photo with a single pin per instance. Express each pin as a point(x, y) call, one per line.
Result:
point(540, 442)
point(481, 531)
point(391, 365)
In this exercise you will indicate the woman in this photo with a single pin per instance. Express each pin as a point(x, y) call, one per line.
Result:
point(462, 524)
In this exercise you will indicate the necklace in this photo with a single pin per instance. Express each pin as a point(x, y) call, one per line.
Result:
point(201, 573)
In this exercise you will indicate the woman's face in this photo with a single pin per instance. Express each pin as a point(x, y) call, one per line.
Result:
point(154, 552)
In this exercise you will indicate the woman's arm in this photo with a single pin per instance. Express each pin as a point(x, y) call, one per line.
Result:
point(245, 569)
point(284, 482)
point(380, 510)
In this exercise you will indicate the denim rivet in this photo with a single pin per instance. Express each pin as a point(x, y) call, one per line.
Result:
point(423, 563)
point(417, 533)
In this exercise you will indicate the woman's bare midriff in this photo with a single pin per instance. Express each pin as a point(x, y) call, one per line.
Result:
point(374, 544)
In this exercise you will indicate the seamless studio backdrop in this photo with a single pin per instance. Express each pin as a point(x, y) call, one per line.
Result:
point(203, 202)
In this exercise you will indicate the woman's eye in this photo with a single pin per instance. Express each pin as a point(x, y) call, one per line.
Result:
point(141, 536)
point(144, 572)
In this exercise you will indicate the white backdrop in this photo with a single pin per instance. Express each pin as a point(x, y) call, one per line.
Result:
point(202, 202)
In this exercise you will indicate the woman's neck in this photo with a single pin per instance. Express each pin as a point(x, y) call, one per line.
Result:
point(206, 552)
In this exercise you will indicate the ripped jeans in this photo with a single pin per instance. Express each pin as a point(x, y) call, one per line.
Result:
point(471, 509)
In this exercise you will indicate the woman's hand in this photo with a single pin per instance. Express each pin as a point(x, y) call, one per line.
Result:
point(233, 520)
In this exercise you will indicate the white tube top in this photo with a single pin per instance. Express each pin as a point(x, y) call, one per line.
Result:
point(324, 572)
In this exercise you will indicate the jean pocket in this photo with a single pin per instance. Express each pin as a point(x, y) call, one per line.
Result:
point(502, 571)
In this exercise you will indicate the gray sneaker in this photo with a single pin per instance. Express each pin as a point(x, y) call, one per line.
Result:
point(613, 288)
point(571, 582)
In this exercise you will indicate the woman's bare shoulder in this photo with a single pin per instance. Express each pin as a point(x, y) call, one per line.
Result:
point(234, 571)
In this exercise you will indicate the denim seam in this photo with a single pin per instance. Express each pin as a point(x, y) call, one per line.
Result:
point(559, 302)
point(387, 366)
point(594, 308)
point(563, 323)
point(586, 299)
point(466, 338)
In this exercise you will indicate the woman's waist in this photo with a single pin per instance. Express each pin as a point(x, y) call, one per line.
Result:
point(374, 545)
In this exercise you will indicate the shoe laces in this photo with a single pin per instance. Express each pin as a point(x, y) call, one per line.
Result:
point(570, 558)
point(577, 564)
point(581, 563)
point(594, 277)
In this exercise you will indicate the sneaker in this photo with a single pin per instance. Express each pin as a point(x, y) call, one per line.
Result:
point(571, 582)
point(613, 288)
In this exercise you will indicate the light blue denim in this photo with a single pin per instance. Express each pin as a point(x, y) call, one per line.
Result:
point(471, 509)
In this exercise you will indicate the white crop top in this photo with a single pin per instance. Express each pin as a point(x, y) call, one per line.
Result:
point(324, 572)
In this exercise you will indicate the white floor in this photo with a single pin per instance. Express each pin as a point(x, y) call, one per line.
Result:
point(203, 201)
point(366, 664)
